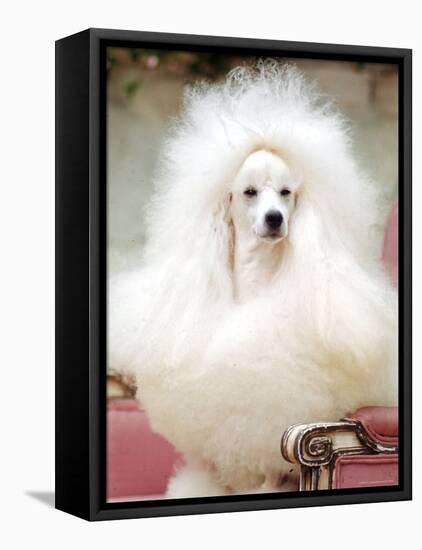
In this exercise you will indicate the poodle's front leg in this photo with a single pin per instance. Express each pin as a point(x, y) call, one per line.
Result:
point(192, 481)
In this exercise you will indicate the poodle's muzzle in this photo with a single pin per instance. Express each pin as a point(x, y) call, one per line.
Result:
point(273, 223)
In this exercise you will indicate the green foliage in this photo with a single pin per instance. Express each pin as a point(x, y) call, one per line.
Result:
point(198, 65)
point(131, 87)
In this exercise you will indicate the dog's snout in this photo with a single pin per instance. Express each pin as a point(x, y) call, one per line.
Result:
point(273, 219)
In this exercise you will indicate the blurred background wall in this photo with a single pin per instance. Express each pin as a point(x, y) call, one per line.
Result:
point(144, 94)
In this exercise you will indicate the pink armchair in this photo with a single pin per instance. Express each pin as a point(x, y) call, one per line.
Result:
point(359, 451)
point(139, 461)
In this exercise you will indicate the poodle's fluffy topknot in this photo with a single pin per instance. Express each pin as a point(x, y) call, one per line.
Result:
point(223, 380)
point(269, 106)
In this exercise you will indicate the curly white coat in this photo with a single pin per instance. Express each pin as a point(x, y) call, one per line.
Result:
point(220, 379)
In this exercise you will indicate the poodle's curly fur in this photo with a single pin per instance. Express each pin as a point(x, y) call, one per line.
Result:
point(222, 380)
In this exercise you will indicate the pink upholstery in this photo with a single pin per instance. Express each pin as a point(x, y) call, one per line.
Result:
point(381, 423)
point(366, 471)
point(139, 462)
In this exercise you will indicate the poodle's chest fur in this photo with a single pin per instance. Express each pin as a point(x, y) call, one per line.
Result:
point(255, 264)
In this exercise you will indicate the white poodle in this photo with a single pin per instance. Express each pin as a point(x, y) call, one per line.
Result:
point(260, 301)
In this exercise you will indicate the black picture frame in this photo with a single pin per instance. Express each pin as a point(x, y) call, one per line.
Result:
point(81, 273)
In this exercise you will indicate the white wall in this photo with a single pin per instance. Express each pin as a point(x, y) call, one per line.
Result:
point(27, 299)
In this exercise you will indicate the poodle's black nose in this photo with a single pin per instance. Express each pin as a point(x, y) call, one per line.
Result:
point(273, 219)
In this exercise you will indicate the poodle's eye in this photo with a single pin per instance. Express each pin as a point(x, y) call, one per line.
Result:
point(250, 192)
point(285, 192)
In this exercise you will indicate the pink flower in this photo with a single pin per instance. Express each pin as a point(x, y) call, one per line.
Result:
point(151, 62)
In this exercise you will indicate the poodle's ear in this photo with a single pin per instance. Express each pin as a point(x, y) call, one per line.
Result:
point(228, 215)
point(229, 230)
point(299, 189)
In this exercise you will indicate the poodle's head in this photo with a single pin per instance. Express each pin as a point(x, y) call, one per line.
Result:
point(266, 154)
point(263, 197)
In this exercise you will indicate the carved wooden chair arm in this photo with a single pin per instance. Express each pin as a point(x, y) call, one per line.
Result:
point(316, 447)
